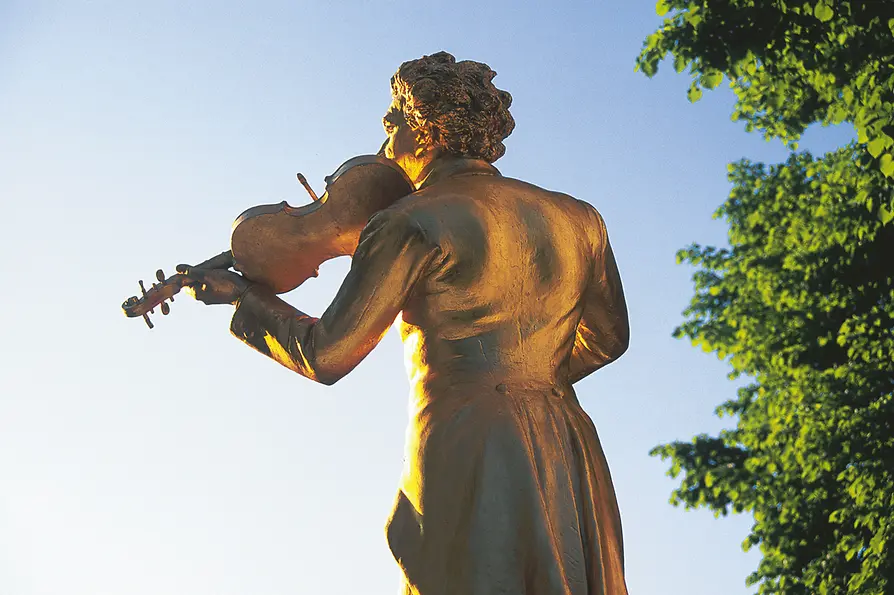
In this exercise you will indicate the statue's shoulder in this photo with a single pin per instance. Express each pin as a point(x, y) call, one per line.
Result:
point(562, 200)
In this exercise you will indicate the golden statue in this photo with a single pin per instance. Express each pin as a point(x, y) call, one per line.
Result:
point(506, 295)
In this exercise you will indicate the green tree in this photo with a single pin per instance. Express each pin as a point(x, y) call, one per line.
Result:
point(802, 300)
point(791, 63)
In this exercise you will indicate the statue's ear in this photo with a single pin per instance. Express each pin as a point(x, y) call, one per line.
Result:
point(428, 138)
point(423, 136)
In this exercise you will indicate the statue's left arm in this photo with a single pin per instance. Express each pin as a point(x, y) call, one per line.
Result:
point(392, 255)
point(603, 333)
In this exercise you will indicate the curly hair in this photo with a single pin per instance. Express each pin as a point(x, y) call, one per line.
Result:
point(456, 104)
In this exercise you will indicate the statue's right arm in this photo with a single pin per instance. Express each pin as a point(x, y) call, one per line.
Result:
point(392, 254)
point(603, 333)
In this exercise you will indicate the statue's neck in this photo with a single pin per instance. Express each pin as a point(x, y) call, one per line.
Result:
point(449, 166)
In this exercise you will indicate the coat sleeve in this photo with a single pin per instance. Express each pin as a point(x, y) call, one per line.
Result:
point(603, 332)
point(392, 254)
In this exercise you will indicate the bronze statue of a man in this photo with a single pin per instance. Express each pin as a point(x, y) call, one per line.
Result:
point(507, 295)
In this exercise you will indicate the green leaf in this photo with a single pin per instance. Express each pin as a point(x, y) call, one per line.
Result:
point(649, 65)
point(837, 114)
point(861, 134)
point(710, 80)
point(886, 164)
point(877, 145)
point(885, 215)
point(694, 94)
point(823, 12)
point(662, 8)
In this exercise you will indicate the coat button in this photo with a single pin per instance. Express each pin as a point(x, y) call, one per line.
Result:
point(502, 388)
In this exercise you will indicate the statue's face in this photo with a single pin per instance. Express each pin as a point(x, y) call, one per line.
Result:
point(406, 147)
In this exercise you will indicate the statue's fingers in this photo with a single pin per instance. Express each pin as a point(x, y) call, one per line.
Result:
point(198, 290)
point(205, 285)
point(193, 275)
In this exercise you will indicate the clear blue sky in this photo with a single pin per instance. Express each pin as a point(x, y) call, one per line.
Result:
point(178, 461)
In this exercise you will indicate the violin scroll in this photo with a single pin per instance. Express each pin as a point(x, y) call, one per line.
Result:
point(157, 295)
point(164, 291)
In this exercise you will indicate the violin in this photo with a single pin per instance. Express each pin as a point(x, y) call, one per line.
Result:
point(281, 246)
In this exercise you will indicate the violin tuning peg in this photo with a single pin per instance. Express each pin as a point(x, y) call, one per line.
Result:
point(165, 308)
point(148, 322)
point(143, 289)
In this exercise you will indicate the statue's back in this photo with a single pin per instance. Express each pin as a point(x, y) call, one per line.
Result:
point(505, 296)
point(503, 467)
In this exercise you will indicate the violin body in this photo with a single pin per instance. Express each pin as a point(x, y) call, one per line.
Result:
point(282, 246)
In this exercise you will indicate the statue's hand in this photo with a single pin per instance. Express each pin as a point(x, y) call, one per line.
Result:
point(213, 286)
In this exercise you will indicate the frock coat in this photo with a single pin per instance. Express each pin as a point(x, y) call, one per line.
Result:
point(506, 295)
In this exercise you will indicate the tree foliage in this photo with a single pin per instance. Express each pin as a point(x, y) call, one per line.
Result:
point(802, 301)
point(791, 63)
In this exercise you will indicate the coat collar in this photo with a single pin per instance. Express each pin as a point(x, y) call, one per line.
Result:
point(451, 167)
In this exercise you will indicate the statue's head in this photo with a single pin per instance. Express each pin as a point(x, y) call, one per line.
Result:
point(447, 107)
